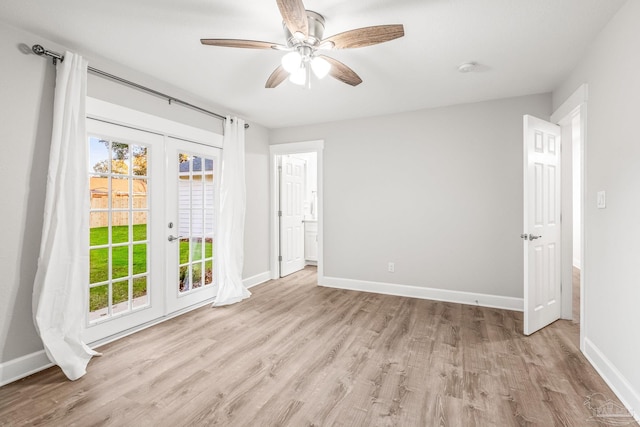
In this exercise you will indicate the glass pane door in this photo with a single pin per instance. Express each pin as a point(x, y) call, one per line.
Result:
point(125, 166)
point(192, 203)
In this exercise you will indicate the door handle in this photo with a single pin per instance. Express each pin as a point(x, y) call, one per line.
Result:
point(172, 238)
point(526, 236)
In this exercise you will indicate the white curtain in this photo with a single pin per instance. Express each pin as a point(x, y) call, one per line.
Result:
point(230, 241)
point(60, 293)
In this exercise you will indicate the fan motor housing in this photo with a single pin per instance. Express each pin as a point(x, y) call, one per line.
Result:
point(315, 29)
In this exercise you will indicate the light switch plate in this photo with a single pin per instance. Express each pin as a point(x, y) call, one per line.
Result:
point(601, 200)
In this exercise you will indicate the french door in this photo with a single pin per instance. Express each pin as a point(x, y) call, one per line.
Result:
point(191, 209)
point(153, 213)
point(125, 245)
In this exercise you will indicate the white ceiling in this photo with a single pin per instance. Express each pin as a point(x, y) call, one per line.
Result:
point(524, 46)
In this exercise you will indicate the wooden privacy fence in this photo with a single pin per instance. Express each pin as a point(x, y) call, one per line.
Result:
point(119, 202)
point(101, 219)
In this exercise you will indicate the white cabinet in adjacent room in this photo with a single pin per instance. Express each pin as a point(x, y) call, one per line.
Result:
point(311, 241)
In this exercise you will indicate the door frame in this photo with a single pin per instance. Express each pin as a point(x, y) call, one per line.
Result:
point(316, 146)
point(563, 116)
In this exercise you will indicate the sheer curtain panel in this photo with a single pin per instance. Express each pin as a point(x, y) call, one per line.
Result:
point(230, 241)
point(60, 292)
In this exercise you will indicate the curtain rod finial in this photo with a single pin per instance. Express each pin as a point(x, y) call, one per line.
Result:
point(41, 51)
point(38, 49)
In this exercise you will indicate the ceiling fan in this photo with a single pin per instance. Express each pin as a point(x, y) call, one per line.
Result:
point(303, 32)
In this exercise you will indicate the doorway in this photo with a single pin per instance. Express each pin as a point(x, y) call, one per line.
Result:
point(549, 286)
point(296, 203)
point(297, 211)
point(571, 116)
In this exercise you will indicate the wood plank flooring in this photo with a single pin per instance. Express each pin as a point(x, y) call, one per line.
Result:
point(296, 354)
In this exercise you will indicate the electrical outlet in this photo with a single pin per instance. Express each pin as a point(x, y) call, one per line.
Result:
point(392, 267)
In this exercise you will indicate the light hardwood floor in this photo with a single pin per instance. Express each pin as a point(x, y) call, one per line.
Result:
point(296, 354)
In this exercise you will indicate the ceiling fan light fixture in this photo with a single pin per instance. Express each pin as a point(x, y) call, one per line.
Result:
point(292, 62)
point(320, 67)
point(299, 77)
point(304, 36)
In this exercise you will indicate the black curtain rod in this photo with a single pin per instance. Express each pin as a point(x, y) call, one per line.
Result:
point(41, 51)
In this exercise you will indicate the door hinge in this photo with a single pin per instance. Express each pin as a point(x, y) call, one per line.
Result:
point(279, 213)
point(280, 258)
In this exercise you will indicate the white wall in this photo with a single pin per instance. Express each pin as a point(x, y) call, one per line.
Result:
point(26, 95)
point(438, 192)
point(26, 110)
point(612, 253)
point(256, 227)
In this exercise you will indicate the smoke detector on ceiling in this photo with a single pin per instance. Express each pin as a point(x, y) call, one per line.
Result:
point(468, 67)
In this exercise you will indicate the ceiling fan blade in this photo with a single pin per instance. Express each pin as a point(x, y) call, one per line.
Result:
point(247, 44)
point(366, 36)
point(294, 16)
point(278, 76)
point(342, 72)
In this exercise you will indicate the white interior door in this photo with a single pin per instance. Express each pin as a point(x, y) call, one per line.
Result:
point(292, 182)
point(542, 228)
point(191, 207)
point(126, 280)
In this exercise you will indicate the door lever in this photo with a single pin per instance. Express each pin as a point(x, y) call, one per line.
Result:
point(532, 237)
point(172, 238)
point(524, 236)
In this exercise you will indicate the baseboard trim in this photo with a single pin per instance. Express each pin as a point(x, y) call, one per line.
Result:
point(21, 367)
point(483, 300)
point(629, 397)
point(256, 280)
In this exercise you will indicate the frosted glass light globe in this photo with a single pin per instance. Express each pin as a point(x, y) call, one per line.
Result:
point(299, 76)
point(320, 67)
point(291, 62)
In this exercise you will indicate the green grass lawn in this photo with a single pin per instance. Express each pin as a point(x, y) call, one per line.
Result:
point(99, 296)
point(99, 262)
point(119, 234)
